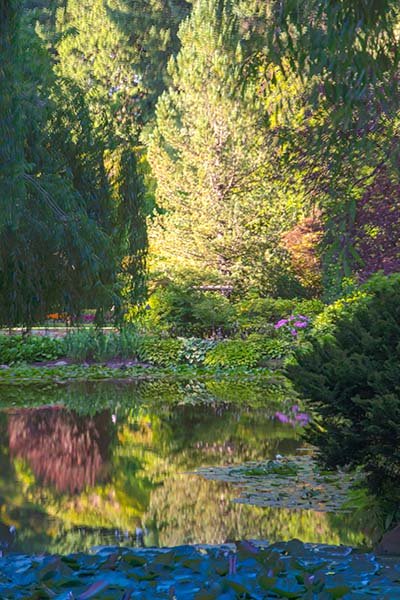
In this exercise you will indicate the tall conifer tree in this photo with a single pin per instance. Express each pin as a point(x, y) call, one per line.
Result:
point(220, 209)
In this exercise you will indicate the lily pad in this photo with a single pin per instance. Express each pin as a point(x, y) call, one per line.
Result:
point(295, 483)
point(250, 570)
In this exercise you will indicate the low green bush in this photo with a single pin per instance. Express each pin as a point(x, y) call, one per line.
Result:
point(233, 353)
point(272, 348)
point(162, 352)
point(256, 350)
point(349, 372)
point(194, 350)
point(29, 348)
point(260, 314)
point(84, 344)
point(182, 310)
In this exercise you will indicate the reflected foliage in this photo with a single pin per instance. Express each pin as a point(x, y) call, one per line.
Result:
point(62, 449)
point(119, 456)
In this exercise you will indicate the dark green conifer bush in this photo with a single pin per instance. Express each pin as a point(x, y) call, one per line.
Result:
point(350, 372)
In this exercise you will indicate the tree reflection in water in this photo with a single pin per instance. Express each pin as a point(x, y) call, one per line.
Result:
point(63, 449)
point(70, 479)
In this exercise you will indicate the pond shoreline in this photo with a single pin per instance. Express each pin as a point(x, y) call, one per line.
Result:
point(125, 370)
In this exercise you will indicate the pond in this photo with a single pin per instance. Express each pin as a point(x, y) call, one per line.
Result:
point(88, 464)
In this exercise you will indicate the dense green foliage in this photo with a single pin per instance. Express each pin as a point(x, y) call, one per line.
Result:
point(15, 349)
point(252, 346)
point(54, 247)
point(249, 139)
point(190, 310)
point(215, 165)
point(349, 372)
point(204, 172)
point(185, 310)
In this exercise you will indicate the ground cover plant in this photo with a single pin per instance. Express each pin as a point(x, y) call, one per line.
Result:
point(251, 347)
point(29, 348)
point(22, 374)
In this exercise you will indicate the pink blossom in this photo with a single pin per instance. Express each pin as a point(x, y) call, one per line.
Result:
point(282, 417)
point(300, 324)
point(281, 323)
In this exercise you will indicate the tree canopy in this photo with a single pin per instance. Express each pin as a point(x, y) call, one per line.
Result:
point(247, 144)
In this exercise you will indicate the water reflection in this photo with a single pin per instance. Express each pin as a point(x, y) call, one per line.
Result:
point(115, 458)
point(61, 448)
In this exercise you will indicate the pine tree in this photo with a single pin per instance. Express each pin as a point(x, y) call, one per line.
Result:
point(220, 210)
point(117, 51)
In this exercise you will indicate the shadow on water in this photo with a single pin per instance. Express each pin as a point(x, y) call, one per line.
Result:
point(90, 464)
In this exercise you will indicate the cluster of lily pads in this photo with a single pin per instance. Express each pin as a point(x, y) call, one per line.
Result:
point(293, 483)
point(248, 570)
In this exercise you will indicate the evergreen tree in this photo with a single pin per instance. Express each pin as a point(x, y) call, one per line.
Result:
point(347, 49)
point(115, 51)
point(211, 153)
point(54, 250)
point(12, 164)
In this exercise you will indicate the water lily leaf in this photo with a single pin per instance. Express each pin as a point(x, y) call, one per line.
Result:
point(207, 595)
point(94, 589)
point(71, 562)
point(166, 559)
point(222, 568)
point(289, 588)
point(50, 575)
point(266, 582)
point(111, 561)
point(246, 548)
point(296, 547)
point(134, 560)
point(239, 588)
point(194, 564)
point(339, 591)
point(128, 594)
point(69, 582)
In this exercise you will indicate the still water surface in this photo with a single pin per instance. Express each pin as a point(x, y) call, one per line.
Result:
point(87, 464)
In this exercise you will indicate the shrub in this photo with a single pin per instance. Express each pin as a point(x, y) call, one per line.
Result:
point(253, 351)
point(186, 311)
point(194, 350)
point(32, 348)
point(275, 348)
point(83, 344)
point(130, 343)
point(234, 353)
point(259, 314)
point(349, 371)
point(163, 352)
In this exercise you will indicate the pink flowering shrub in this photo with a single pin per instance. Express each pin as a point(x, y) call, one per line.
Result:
point(293, 324)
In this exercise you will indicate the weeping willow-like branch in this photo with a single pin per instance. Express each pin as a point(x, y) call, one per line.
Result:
point(62, 216)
